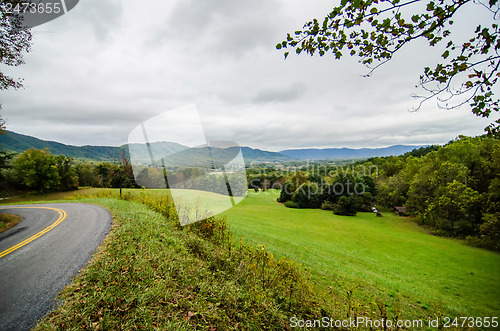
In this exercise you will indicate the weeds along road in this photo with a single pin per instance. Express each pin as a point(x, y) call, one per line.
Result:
point(41, 254)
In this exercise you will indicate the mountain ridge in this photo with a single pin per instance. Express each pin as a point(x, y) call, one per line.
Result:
point(17, 142)
point(347, 153)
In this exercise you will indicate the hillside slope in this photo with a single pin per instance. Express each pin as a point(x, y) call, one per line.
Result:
point(18, 143)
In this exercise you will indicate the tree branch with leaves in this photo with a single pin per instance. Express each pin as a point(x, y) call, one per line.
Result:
point(374, 30)
point(15, 40)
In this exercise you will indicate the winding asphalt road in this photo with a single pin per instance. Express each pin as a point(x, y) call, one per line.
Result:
point(41, 254)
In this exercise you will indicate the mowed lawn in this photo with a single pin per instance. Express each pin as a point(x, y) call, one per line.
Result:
point(385, 257)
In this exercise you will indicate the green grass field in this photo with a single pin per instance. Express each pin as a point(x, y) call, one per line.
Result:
point(389, 257)
point(389, 264)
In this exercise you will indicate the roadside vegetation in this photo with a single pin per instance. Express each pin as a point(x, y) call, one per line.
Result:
point(8, 221)
point(151, 274)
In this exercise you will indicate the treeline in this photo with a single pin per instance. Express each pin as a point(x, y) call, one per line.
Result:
point(345, 190)
point(345, 194)
point(41, 171)
point(454, 190)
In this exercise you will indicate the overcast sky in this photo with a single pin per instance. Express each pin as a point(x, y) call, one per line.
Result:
point(99, 71)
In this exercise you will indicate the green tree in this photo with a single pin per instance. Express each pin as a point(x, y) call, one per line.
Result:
point(152, 177)
point(307, 195)
point(490, 183)
point(490, 232)
point(392, 191)
point(87, 175)
point(286, 192)
point(298, 179)
point(121, 173)
point(37, 169)
point(104, 172)
point(375, 30)
point(430, 182)
point(67, 173)
point(14, 42)
point(457, 206)
point(455, 188)
point(5, 157)
point(347, 205)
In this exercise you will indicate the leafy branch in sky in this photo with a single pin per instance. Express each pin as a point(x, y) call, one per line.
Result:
point(374, 30)
point(14, 41)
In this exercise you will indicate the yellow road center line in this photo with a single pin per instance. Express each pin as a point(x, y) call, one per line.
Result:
point(62, 216)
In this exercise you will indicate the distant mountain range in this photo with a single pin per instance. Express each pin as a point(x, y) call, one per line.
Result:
point(347, 153)
point(18, 143)
point(178, 153)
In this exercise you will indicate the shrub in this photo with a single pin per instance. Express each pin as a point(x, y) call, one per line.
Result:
point(286, 192)
point(483, 242)
point(489, 234)
point(440, 233)
point(127, 196)
point(291, 204)
point(327, 205)
point(367, 202)
point(347, 206)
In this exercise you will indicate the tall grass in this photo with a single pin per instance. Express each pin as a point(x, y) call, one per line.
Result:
point(8, 221)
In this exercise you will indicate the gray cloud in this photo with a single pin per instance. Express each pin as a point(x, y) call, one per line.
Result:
point(277, 94)
point(102, 16)
point(106, 66)
point(231, 28)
